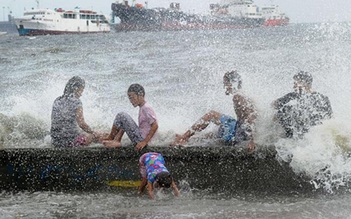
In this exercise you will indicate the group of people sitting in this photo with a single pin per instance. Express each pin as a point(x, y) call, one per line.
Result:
point(296, 112)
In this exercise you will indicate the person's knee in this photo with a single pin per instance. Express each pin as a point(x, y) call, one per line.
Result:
point(121, 115)
point(212, 115)
point(120, 119)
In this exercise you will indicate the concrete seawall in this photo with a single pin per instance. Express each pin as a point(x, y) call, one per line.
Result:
point(220, 169)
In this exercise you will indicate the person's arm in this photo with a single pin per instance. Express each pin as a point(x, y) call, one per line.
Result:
point(328, 108)
point(175, 189)
point(142, 169)
point(142, 144)
point(81, 122)
point(280, 102)
point(251, 131)
point(142, 185)
point(150, 189)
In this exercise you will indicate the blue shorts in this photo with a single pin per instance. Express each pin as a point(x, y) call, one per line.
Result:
point(226, 130)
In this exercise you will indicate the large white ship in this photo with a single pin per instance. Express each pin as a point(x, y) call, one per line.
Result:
point(272, 14)
point(245, 9)
point(59, 21)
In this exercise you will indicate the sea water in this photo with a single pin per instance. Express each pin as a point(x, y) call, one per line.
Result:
point(182, 75)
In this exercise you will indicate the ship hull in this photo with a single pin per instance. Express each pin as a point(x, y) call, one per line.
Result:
point(276, 22)
point(133, 18)
point(37, 32)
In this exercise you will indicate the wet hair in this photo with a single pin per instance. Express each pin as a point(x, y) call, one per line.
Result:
point(233, 77)
point(73, 85)
point(303, 77)
point(137, 88)
point(164, 179)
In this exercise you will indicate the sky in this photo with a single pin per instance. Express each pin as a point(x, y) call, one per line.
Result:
point(299, 11)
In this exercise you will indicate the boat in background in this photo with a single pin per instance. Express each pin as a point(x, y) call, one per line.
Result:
point(228, 15)
point(242, 12)
point(273, 16)
point(59, 21)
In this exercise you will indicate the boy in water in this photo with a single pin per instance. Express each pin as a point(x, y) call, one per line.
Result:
point(139, 135)
point(230, 130)
point(303, 108)
point(155, 174)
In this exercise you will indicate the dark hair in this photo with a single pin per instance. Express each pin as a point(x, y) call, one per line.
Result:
point(232, 77)
point(73, 84)
point(164, 179)
point(137, 88)
point(303, 77)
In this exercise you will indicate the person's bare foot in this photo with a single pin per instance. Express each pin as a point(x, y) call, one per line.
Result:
point(180, 140)
point(111, 143)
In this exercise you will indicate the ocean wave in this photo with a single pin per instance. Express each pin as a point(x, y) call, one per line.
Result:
point(22, 130)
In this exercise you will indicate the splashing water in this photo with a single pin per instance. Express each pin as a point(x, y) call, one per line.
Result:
point(182, 74)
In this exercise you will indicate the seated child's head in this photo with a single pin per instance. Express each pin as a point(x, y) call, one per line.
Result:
point(137, 89)
point(136, 94)
point(164, 179)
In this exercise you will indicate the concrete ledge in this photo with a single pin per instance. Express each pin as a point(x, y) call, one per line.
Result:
point(220, 169)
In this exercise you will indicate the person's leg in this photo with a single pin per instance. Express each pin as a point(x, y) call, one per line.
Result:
point(114, 139)
point(124, 123)
point(113, 133)
point(205, 120)
point(198, 126)
point(119, 135)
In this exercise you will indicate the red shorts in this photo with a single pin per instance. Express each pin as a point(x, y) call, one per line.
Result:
point(80, 140)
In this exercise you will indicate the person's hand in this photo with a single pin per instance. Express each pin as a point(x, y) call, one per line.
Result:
point(140, 190)
point(251, 146)
point(96, 135)
point(175, 189)
point(140, 145)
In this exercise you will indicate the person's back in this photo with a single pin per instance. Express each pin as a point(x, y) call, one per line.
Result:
point(155, 174)
point(154, 164)
point(146, 117)
point(68, 127)
point(64, 128)
point(246, 113)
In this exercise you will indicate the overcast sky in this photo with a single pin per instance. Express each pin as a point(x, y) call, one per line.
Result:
point(299, 11)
